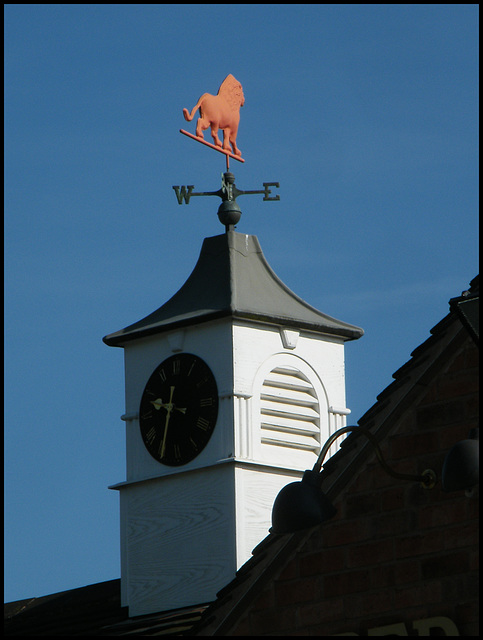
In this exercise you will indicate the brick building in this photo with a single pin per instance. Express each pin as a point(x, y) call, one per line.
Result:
point(397, 559)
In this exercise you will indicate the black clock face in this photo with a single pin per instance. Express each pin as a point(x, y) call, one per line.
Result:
point(178, 409)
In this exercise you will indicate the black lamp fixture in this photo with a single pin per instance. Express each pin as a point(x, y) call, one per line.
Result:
point(461, 465)
point(303, 504)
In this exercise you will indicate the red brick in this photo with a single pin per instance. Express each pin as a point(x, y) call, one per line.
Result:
point(273, 620)
point(370, 553)
point(458, 363)
point(462, 384)
point(394, 522)
point(338, 584)
point(418, 544)
point(360, 505)
point(451, 435)
point(346, 532)
point(320, 612)
point(264, 601)
point(416, 495)
point(473, 505)
point(393, 498)
point(323, 561)
point(435, 515)
point(440, 414)
point(474, 559)
point(407, 571)
point(472, 358)
point(415, 594)
point(445, 565)
point(290, 571)
point(460, 588)
point(365, 604)
point(410, 445)
point(242, 628)
point(294, 591)
point(469, 611)
point(473, 410)
point(463, 535)
point(382, 575)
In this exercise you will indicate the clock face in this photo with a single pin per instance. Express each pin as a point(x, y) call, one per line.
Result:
point(178, 410)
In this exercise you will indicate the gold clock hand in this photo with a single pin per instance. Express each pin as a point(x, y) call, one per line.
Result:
point(158, 404)
point(169, 408)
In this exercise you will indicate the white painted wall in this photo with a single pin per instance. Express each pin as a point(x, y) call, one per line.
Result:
point(186, 530)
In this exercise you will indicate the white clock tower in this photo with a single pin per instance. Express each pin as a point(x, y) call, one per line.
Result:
point(278, 364)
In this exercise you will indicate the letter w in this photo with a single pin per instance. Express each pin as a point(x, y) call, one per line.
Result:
point(184, 193)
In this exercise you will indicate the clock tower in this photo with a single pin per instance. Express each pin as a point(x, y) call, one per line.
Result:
point(232, 387)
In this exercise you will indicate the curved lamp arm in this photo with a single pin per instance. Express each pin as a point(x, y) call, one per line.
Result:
point(428, 478)
point(303, 504)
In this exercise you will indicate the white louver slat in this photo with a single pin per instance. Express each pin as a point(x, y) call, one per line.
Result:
point(290, 415)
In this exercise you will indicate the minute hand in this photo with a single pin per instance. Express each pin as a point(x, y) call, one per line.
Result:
point(169, 408)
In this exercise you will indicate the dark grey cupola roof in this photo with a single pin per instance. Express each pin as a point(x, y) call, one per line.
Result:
point(233, 278)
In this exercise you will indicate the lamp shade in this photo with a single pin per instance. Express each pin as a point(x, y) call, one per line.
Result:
point(461, 464)
point(301, 505)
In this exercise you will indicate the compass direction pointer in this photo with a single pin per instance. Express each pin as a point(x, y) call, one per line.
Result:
point(228, 212)
point(228, 191)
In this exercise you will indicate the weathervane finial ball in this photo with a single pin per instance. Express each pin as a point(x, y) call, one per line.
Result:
point(229, 213)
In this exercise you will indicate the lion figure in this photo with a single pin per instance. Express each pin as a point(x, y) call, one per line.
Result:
point(220, 112)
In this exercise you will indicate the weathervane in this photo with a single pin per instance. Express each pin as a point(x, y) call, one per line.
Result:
point(221, 112)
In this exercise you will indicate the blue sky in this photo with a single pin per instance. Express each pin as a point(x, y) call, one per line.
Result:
point(367, 115)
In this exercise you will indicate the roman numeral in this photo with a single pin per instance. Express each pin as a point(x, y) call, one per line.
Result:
point(192, 367)
point(202, 423)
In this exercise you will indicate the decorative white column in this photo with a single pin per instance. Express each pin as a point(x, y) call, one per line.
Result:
point(337, 420)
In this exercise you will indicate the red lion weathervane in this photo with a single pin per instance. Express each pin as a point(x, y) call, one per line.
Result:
point(222, 112)
point(219, 112)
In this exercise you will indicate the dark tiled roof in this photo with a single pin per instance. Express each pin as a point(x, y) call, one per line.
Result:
point(75, 612)
point(170, 623)
point(94, 610)
point(467, 306)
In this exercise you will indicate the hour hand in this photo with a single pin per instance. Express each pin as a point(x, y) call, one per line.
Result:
point(159, 404)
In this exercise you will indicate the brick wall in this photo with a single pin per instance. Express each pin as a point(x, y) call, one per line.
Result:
point(395, 553)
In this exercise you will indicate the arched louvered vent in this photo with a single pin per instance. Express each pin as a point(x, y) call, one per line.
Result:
point(290, 414)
